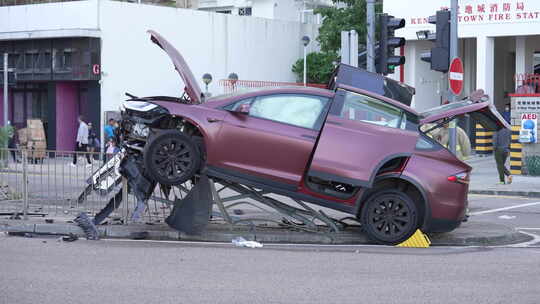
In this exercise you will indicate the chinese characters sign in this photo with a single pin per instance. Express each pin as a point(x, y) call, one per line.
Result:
point(491, 11)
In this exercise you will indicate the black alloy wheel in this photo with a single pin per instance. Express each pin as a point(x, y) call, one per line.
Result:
point(171, 158)
point(389, 217)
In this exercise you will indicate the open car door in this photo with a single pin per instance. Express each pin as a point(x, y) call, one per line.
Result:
point(477, 106)
point(362, 134)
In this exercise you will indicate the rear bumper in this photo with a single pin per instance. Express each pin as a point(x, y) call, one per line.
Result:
point(441, 225)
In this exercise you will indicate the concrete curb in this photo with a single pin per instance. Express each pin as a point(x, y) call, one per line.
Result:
point(471, 234)
point(534, 194)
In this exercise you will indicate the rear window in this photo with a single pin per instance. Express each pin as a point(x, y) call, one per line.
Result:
point(444, 108)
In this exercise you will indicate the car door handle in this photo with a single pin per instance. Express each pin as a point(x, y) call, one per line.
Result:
point(211, 119)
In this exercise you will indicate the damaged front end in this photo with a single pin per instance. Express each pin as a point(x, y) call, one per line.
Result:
point(141, 122)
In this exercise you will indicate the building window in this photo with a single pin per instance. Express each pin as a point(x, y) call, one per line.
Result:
point(244, 11)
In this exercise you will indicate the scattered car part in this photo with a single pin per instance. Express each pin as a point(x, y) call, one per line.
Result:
point(87, 225)
point(70, 238)
point(192, 213)
point(242, 242)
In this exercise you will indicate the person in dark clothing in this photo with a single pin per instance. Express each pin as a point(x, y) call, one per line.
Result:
point(501, 147)
point(506, 113)
point(12, 144)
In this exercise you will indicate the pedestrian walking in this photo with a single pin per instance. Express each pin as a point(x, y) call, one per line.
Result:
point(109, 129)
point(81, 142)
point(501, 146)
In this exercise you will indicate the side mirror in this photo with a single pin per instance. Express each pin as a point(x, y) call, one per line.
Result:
point(243, 108)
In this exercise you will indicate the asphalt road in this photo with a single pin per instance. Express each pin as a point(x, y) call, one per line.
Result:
point(519, 212)
point(42, 270)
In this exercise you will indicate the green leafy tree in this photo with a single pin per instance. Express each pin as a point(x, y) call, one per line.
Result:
point(352, 16)
point(319, 67)
point(338, 19)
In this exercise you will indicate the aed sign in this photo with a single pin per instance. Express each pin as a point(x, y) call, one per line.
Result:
point(529, 127)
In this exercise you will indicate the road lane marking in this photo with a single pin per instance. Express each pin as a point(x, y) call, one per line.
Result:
point(535, 240)
point(504, 208)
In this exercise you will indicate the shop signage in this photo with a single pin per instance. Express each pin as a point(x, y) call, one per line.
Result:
point(96, 69)
point(490, 11)
point(528, 105)
point(529, 125)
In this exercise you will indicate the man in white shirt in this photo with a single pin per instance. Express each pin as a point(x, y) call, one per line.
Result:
point(82, 142)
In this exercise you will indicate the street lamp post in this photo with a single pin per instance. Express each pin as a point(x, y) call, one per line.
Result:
point(207, 79)
point(305, 41)
point(233, 78)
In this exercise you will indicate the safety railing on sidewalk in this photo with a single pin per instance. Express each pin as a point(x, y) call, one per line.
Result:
point(232, 85)
point(49, 184)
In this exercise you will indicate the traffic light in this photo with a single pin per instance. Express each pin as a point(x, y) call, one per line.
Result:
point(439, 56)
point(388, 43)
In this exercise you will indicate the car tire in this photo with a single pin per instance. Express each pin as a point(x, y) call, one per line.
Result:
point(171, 158)
point(389, 217)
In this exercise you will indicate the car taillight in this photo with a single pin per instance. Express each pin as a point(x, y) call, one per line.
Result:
point(462, 178)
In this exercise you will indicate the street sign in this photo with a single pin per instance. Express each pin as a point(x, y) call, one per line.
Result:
point(455, 76)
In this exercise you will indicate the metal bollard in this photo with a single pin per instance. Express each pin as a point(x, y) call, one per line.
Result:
point(24, 154)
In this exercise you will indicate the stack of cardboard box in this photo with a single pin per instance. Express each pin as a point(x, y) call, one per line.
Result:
point(33, 138)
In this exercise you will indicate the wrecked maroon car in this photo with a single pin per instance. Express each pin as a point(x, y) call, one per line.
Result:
point(347, 148)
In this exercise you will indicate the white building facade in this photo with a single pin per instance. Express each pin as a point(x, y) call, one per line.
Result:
point(290, 10)
point(80, 57)
point(498, 40)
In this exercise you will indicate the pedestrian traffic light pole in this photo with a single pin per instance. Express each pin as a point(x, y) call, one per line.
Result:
point(453, 54)
point(370, 39)
point(5, 92)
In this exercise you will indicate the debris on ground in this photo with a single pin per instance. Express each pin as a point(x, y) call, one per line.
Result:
point(142, 235)
point(87, 225)
point(69, 238)
point(242, 242)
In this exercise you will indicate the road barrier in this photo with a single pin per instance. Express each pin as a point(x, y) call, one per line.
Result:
point(516, 154)
point(53, 187)
point(484, 140)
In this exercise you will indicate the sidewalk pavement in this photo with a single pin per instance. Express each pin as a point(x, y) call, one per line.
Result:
point(484, 180)
point(472, 233)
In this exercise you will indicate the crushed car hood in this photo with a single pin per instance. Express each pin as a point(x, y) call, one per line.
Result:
point(192, 89)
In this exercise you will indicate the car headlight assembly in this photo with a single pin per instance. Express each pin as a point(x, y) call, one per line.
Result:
point(141, 130)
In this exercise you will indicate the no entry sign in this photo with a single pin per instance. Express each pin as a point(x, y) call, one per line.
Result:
point(455, 76)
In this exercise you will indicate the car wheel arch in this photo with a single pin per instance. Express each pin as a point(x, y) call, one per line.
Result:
point(194, 129)
point(391, 181)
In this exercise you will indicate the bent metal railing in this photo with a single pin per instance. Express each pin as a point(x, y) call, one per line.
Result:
point(46, 184)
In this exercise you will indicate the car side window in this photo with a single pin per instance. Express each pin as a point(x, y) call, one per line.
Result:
point(298, 110)
point(363, 108)
point(234, 106)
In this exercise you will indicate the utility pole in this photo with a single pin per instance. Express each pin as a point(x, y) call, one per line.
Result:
point(5, 89)
point(370, 39)
point(453, 54)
